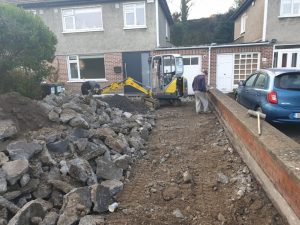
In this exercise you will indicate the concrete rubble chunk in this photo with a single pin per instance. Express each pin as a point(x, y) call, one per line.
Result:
point(27, 212)
point(93, 150)
point(3, 183)
point(4, 203)
point(81, 170)
point(116, 144)
point(123, 162)
point(101, 198)
point(3, 158)
point(92, 220)
point(24, 179)
point(67, 114)
point(32, 185)
point(79, 122)
point(46, 158)
point(50, 219)
point(222, 178)
point(23, 150)
point(61, 185)
point(7, 129)
point(114, 186)
point(61, 146)
point(102, 133)
point(108, 170)
point(14, 170)
point(77, 203)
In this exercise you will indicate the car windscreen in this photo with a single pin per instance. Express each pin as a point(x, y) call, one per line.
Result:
point(288, 81)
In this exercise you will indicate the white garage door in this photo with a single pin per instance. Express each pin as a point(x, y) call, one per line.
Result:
point(225, 72)
point(192, 67)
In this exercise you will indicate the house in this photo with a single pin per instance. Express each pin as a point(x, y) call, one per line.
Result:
point(277, 21)
point(103, 40)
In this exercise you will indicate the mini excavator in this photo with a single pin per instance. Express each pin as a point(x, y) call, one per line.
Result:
point(167, 82)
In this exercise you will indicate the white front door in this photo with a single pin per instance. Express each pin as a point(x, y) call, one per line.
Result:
point(192, 68)
point(225, 72)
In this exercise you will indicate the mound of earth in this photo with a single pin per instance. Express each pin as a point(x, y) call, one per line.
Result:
point(23, 111)
point(126, 104)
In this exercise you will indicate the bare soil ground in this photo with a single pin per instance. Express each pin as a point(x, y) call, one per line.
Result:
point(183, 141)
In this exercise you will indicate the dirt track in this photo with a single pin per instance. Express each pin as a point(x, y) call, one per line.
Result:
point(183, 141)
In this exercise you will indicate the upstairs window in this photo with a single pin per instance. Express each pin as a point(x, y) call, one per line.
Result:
point(243, 23)
point(134, 15)
point(290, 8)
point(82, 19)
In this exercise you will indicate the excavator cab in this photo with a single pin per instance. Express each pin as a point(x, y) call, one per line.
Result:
point(167, 81)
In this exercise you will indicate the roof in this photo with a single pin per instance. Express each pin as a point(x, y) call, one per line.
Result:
point(48, 3)
point(241, 9)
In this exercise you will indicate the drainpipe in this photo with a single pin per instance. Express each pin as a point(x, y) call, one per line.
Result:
point(157, 24)
point(209, 63)
point(265, 20)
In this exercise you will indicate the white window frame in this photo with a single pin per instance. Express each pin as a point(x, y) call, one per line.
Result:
point(80, 30)
point(167, 29)
point(79, 79)
point(33, 11)
point(292, 10)
point(289, 53)
point(243, 23)
point(135, 26)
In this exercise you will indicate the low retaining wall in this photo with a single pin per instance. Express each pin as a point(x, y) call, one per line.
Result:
point(273, 158)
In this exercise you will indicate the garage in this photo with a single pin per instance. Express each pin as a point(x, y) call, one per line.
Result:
point(192, 67)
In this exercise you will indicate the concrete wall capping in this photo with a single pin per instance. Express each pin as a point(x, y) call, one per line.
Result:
point(273, 157)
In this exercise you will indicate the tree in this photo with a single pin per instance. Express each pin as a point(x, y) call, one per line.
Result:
point(238, 3)
point(26, 43)
point(185, 8)
point(176, 17)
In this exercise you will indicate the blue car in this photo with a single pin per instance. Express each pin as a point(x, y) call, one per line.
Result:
point(275, 92)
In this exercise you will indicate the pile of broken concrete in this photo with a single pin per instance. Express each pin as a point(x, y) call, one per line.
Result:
point(69, 173)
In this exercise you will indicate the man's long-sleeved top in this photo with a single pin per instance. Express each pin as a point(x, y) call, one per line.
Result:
point(199, 83)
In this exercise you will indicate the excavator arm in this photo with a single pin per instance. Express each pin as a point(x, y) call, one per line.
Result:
point(128, 82)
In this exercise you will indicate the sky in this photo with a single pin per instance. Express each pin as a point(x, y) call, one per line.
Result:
point(202, 8)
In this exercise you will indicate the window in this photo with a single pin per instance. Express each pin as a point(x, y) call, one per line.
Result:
point(286, 58)
point(86, 67)
point(290, 8)
point(134, 15)
point(244, 65)
point(243, 23)
point(82, 19)
point(33, 11)
point(261, 81)
point(289, 81)
point(250, 81)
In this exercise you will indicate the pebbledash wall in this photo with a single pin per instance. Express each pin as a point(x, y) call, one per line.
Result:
point(209, 61)
point(209, 55)
point(111, 60)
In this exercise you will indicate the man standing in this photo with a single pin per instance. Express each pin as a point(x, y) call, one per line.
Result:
point(199, 87)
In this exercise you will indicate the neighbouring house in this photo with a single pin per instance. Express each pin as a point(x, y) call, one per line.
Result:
point(277, 21)
point(103, 40)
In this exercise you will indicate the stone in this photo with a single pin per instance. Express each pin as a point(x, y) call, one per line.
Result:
point(32, 185)
point(116, 144)
point(61, 146)
point(53, 116)
point(81, 144)
point(77, 203)
point(27, 212)
point(24, 179)
point(67, 114)
point(102, 133)
point(12, 195)
point(7, 129)
point(3, 221)
point(79, 133)
point(43, 191)
point(50, 219)
point(81, 170)
point(93, 151)
point(187, 177)
point(3, 158)
point(221, 218)
point(61, 185)
point(56, 199)
point(3, 183)
point(171, 193)
point(23, 150)
point(101, 198)
point(108, 170)
point(222, 178)
point(114, 186)
point(92, 220)
point(123, 162)
point(46, 158)
point(135, 142)
point(36, 220)
point(64, 169)
point(4, 203)
point(21, 202)
point(127, 114)
point(79, 122)
point(14, 170)
point(178, 214)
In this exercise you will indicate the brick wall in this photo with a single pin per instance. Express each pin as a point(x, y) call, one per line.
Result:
point(266, 52)
point(111, 60)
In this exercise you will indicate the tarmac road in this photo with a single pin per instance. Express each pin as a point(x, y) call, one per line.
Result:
point(293, 131)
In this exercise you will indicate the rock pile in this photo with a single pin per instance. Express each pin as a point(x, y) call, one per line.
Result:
point(66, 173)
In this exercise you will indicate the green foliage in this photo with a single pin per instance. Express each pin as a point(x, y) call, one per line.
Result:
point(215, 29)
point(25, 41)
point(185, 8)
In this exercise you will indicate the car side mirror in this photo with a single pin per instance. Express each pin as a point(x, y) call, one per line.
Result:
point(242, 83)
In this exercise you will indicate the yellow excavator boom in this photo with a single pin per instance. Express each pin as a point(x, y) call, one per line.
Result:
point(128, 82)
